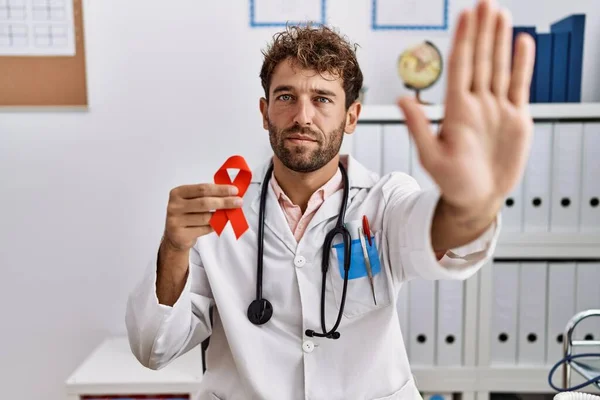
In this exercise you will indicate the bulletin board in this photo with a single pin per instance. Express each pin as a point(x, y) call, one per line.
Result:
point(51, 81)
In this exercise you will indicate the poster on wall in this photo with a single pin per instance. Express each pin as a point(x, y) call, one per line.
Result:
point(410, 14)
point(268, 13)
point(37, 28)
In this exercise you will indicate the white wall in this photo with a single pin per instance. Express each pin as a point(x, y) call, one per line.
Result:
point(173, 92)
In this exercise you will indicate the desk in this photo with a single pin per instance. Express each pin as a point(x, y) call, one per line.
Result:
point(111, 369)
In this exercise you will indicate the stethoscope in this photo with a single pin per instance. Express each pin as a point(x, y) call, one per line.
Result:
point(261, 310)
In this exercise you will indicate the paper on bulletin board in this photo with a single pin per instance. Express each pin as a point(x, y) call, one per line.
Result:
point(280, 12)
point(37, 28)
point(410, 14)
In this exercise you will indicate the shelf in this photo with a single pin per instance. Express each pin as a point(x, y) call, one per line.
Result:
point(539, 111)
point(532, 379)
point(548, 245)
point(112, 368)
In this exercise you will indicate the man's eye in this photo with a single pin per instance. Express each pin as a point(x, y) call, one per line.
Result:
point(285, 97)
point(323, 99)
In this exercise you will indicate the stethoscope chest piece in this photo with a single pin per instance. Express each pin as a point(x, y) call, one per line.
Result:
point(260, 311)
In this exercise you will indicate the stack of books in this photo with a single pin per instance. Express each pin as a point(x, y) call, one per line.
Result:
point(558, 62)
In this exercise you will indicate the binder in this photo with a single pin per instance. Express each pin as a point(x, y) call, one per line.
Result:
point(543, 67)
point(396, 149)
point(590, 190)
point(367, 146)
point(422, 322)
point(560, 66)
point(566, 177)
point(532, 32)
point(505, 284)
point(531, 345)
point(416, 169)
point(574, 25)
point(561, 306)
point(450, 320)
point(588, 297)
point(512, 211)
point(537, 181)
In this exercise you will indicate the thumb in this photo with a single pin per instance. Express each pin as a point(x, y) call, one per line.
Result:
point(419, 128)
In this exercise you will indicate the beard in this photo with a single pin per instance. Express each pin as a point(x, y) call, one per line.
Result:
point(307, 157)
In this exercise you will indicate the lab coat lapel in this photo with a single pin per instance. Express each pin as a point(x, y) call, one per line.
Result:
point(359, 178)
point(275, 220)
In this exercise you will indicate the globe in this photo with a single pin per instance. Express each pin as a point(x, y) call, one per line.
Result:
point(420, 66)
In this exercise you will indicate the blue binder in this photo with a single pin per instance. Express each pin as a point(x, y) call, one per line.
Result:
point(575, 25)
point(531, 31)
point(543, 67)
point(560, 66)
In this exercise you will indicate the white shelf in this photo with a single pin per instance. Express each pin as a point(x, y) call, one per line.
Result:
point(548, 245)
point(551, 111)
point(112, 368)
point(517, 379)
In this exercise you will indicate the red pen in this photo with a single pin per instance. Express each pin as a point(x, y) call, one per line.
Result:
point(367, 229)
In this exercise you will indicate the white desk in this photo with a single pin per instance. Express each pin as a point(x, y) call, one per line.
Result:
point(111, 369)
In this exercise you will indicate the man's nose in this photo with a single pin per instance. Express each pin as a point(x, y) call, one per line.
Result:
point(304, 113)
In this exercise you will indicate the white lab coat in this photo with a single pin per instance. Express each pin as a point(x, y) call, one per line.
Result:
point(277, 360)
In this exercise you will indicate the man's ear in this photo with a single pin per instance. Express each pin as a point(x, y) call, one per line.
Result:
point(264, 109)
point(352, 117)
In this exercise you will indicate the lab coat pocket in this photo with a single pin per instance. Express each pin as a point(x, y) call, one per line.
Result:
point(408, 392)
point(361, 297)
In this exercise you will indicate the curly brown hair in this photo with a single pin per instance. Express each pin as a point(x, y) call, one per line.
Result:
point(319, 48)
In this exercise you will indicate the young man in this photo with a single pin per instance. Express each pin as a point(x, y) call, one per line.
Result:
point(332, 333)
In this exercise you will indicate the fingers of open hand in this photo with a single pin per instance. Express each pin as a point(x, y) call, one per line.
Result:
point(480, 58)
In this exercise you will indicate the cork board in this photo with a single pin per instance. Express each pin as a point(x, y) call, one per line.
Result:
point(51, 81)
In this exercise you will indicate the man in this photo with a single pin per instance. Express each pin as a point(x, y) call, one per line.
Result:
point(311, 80)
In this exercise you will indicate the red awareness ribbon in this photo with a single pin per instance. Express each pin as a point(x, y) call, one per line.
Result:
point(242, 181)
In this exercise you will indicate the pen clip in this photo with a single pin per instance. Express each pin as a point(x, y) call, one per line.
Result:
point(366, 229)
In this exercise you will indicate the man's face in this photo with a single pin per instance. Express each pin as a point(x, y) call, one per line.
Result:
point(305, 116)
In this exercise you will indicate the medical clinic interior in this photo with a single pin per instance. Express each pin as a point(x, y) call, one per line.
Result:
point(117, 116)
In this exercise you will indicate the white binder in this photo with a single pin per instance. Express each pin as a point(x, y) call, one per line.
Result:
point(450, 322)
point(590, 190)
point(561, 306)
point(531, 345)
point(416, 169)
point(396, 149)
point(505, 284)
point(588, 297)
point(422, 322)
point(537, 180)
point(566, 177)
point(366, 146)
point(512, 211)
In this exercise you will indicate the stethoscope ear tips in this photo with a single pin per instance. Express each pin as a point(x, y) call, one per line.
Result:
point(260, 311)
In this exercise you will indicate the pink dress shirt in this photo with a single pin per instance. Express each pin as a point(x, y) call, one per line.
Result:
point(298, 221)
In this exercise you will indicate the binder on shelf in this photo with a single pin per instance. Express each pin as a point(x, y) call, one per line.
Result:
point(450, 320)
point(590, 189)
point(574, 25)
point(561, 306)
point(537, 181)
point(531, 344)
point(588, 297)
point(367, 146)
point(531, 31)
point(421, 324)
point(505, 283)
point(416, 169)
point(512, 211)
point(561, 43)
point(396, 149)
point(566, 177)
point(543, 68)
